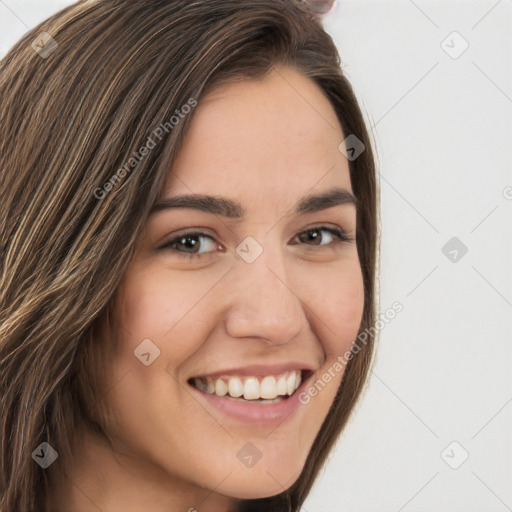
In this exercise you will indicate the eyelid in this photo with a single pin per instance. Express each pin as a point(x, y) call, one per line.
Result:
point(343, 234)
point(196, 232)
point(343, 237)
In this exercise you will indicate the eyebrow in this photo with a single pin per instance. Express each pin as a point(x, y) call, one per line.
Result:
point(234, 210)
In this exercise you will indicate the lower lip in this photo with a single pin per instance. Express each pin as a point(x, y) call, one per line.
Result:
point(255, 412)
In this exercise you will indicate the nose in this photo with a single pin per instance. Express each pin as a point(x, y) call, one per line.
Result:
point(263, 303)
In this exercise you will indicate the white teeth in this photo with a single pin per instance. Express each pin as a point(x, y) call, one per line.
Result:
point(263, 389)
point(235, 387)
point(298, 379)
point(220, 387)
point(290, 382)
point(282, 388)
point(251, 388)
point(268, 387)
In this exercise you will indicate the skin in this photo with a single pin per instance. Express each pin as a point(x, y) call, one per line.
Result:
point(266, 144)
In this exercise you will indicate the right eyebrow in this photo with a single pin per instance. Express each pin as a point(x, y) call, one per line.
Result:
point(234, 210)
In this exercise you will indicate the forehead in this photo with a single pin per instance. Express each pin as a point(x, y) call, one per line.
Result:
point(280, 133)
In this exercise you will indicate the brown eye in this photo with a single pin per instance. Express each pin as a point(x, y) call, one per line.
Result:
point(313, 236)
point(190, 244)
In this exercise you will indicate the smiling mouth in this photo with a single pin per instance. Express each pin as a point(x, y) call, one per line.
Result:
point(262, 390)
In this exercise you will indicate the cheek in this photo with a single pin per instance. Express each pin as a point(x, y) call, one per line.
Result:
point(340, 307)
point(339, 311)
point(164, 311)
point(157, 307)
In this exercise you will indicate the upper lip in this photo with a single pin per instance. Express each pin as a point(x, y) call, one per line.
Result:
point(259, 370)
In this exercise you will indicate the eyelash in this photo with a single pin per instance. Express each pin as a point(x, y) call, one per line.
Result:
point(340, 234)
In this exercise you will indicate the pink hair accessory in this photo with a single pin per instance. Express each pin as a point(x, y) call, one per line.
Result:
point(319, 7)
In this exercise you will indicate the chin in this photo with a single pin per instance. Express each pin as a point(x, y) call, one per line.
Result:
point(263, 480)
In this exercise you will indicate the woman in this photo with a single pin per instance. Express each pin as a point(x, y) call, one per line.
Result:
point(188, 223)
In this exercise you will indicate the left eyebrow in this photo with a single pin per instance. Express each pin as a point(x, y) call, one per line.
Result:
point(332, 197)
point(234, 210)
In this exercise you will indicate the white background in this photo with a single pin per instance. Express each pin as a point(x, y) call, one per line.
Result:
point(443, 132)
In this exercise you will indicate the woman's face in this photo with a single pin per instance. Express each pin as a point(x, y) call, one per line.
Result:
point(248, 303)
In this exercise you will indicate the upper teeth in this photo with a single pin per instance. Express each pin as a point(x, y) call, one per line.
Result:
point(251, 388)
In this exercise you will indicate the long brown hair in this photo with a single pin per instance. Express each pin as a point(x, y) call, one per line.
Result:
point(73, 110)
